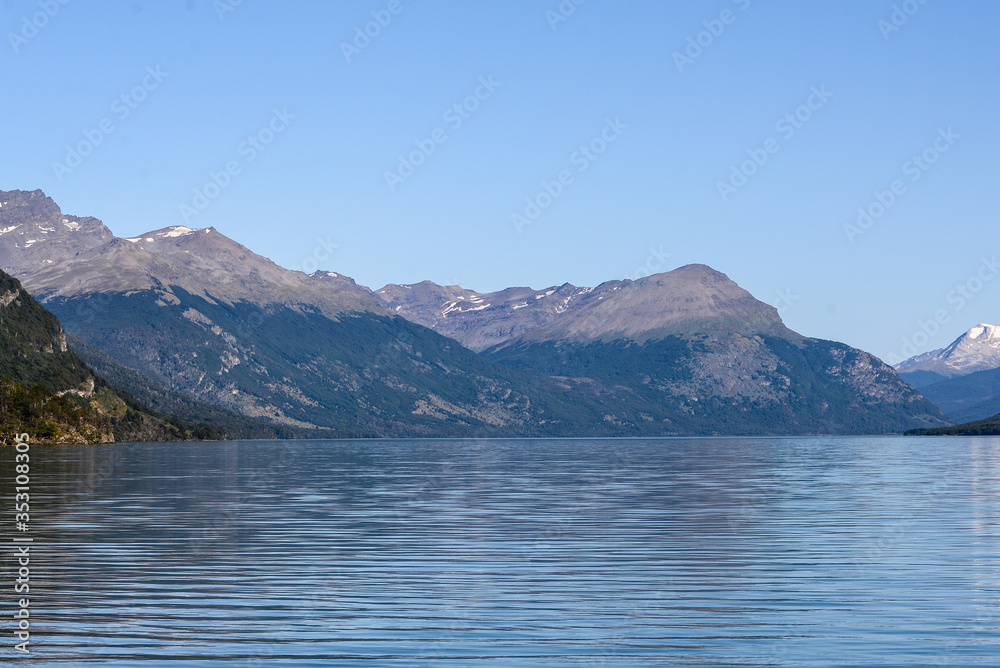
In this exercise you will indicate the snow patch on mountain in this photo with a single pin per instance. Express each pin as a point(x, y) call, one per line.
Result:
point(176, 231)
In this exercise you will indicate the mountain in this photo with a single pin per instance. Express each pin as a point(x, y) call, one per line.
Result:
point(967, 398)
point(199, 262)
point(976, 350)
point(684, 352)
point(47, 391)
point(681, 301)
point(480, 320)
point(363, 374)
point(34, 233)
point(963, 379)
point(203, 317)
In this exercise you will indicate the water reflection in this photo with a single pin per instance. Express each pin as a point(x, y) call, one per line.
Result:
point(713, 552)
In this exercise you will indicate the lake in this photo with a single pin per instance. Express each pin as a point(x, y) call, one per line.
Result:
point(824, 551)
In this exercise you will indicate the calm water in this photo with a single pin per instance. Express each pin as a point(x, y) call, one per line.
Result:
point(701, 552)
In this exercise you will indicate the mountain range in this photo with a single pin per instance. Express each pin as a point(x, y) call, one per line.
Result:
point(962, 379)
point(204, 320)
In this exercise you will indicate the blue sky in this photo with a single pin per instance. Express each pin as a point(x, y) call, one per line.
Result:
point(618, 121)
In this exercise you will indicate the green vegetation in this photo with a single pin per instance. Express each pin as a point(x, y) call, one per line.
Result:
point(47, 391)
point(47, 417)
point(53, 419)
point(33, 349)
point(988, 427)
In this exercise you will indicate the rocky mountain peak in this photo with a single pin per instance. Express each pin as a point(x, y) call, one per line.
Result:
point(684, 300)
point(978, 349)
point(34, 232)
point(691, 299)
point(989, 333)
point(56, 255)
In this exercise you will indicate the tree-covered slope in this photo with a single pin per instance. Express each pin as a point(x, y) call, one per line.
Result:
point(179, 406)
point(708, 384)
point(361, 374)
point(975, 396)
point(988, 427)
point(47, 391)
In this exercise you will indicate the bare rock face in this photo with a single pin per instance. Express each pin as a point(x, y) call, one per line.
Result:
point(56, 255)
point(976, 350)
point(687, 300)
point(34, 233)
point(480, 320)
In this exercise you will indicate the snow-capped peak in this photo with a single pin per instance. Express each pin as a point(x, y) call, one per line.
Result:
point(985, 330)
point(978, 349)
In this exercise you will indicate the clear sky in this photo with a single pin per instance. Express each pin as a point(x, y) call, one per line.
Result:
point(124, 110)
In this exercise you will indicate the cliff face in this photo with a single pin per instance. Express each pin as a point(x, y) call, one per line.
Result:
point(34, 233)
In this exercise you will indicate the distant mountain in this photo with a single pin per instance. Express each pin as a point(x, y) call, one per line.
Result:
point(967, 398)
point(480, 320)
point(976, 350)
point(47, 391)
point(922, 379)
point(682, 301)
point(963, 379)
point(363, 374)
point(687, 352)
